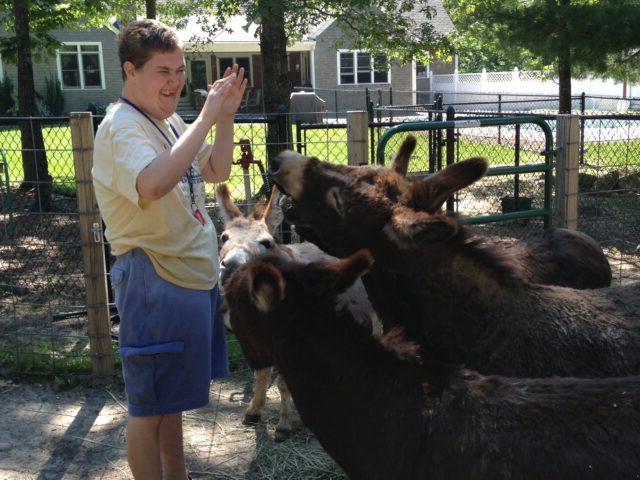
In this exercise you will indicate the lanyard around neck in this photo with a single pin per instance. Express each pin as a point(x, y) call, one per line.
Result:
point(173, 129)
point(189, 172)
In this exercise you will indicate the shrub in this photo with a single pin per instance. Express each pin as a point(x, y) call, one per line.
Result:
point(7, 102)
point(53, 97)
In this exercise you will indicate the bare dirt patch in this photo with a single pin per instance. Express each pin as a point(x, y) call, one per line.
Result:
point(80, 434)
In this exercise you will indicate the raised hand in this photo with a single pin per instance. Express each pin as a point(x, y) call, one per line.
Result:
point(234, 96)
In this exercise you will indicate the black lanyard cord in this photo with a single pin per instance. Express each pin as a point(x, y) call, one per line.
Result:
point(189, 172)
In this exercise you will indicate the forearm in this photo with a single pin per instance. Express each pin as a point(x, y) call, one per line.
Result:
point(222, 151)
point(165, 171)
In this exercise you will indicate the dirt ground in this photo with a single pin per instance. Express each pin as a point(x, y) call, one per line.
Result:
point(79, 433)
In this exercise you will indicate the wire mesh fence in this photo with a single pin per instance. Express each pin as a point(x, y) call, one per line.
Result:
point(43, 321)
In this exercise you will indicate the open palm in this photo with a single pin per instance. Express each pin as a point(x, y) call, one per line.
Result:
point(235, 92)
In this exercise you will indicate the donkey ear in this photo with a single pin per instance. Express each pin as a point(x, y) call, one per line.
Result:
point(266, 287)
point(348, 270)
point(431, 193)
point(228, 209)
point(409, 228)
point(400, 161)
point(272, 214)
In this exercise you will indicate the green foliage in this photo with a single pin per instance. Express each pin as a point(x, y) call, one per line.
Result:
point(380, 26)
point(601, 35)
point(53, 96)
point(48, 15)
point(7, 101)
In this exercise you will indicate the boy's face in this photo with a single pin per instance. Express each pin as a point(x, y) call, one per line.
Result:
point(155, 87)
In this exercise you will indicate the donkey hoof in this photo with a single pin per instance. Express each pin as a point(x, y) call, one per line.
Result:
point(281, 435)
point(251, 418)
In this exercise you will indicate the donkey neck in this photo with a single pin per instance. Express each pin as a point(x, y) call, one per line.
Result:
point(352, 381)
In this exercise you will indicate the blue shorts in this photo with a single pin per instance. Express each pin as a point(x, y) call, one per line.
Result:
point(172, 339)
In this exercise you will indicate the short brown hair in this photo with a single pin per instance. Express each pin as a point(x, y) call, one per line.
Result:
point(140, 39)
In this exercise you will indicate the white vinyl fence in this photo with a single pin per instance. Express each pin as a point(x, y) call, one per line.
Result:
point(478, 87)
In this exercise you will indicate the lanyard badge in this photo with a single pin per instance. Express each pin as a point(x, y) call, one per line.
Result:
point(194, 207)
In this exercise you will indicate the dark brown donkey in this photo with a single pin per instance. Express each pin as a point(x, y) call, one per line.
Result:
point(556, 256)
point(464, 301)
point(383, 415)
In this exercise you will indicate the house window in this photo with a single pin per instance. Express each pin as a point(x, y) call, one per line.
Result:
point(80, 66)
point(245, 62)
point(362, 67)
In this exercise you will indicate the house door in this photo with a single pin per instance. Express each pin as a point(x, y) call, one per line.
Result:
point(198, 74)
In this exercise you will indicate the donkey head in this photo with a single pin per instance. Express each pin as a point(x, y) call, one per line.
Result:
point(343, 208)
point(266, 293)
point(244, 237)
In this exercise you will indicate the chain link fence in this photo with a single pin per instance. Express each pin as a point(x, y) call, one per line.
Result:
point(43, 308)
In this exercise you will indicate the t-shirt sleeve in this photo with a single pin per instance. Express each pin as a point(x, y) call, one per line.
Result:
point(132, 152)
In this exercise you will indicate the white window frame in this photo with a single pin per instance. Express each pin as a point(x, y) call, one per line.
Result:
point(234, 61)
point(355, 69)
point(1, 70)
point(81, 66)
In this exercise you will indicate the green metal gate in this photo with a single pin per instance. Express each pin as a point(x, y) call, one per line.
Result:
point(451, 126)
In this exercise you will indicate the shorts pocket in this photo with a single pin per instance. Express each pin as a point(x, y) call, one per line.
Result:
point(145, 368)
point(116, 276)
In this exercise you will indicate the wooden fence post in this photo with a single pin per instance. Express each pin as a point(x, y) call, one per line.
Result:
point(567, 190)
point(95, 274)
point(358, 138)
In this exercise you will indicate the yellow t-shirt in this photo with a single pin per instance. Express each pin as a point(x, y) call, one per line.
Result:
point(183, 251)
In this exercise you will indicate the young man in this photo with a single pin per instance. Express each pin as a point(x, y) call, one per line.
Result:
point(149, 173)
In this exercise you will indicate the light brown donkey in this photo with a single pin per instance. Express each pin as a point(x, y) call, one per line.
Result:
point(245, 237)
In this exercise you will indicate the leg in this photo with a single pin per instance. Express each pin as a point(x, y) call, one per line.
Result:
point(283, 429)
point(171, 447)
point(143, 449)
point(261, 378)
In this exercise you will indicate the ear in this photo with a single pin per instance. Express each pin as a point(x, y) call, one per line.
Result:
point(333, 197)
point(409, 228)
point(266, 287)
point(348, 270)
point(272, 214)
point(431, 193)
point(400, 161)
point(129, 69)
point(227, 208)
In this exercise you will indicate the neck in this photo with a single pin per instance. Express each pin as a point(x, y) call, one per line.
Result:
point(352, 376)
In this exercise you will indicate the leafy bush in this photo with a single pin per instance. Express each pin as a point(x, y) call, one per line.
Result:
point(7, 102)
point(53, 97)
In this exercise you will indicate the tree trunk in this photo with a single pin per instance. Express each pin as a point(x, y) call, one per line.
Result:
point(564, 79)
point(275, 78)
point(151, 8)
point(34, 158)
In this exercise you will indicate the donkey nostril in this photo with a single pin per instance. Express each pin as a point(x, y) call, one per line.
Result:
point(274, 166)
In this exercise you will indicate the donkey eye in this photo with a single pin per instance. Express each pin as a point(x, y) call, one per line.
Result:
point(266, 243)
point(223, 238)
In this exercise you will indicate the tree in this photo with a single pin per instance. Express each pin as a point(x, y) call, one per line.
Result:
point(34, 156)
point(150, 6)
point(382, 26)
point(31, 22)
point(575, 37)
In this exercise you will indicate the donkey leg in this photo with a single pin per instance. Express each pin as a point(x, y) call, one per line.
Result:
point(283, 429)
point(261, 378)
